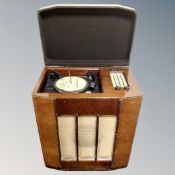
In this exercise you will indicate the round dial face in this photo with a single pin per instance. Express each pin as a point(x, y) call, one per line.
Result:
point(71, 84)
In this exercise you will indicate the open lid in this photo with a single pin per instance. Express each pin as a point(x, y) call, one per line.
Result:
point(87, 35)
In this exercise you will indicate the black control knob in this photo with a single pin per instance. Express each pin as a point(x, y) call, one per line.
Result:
point(126, 87)
point(92, 85)
point(54, 75)
point(90, 76)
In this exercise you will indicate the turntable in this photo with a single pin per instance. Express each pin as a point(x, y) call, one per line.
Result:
point(86, 100)
point(72, 84)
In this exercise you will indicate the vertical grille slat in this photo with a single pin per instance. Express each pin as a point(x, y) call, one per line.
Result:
point(96, 144)
point(76, 127)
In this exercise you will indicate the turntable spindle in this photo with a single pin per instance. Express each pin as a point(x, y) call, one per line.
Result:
point(70, 76)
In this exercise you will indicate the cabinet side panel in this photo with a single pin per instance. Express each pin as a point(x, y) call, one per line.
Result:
point(129, 112)
point(48, 130)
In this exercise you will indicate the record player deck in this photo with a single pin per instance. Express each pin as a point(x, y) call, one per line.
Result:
point(55, 82)
point(90, 83)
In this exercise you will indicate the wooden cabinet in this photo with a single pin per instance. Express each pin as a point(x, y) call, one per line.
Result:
point(87, 131)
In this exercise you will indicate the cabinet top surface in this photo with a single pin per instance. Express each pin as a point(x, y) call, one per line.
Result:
point(108, 91)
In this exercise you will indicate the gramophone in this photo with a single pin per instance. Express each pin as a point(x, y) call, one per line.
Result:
point(86, 100)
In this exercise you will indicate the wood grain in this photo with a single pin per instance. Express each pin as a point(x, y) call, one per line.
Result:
point(87, 106)
point(47, 127)
point(86, 165)
point(129, 113)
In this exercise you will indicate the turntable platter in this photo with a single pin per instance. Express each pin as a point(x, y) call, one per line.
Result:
point(71, 84)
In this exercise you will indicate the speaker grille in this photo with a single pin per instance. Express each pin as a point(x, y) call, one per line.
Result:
point(87, 138)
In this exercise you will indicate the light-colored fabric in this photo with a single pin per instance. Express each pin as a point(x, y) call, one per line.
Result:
point(87, 137)
point(67, 137)
point(106, 136)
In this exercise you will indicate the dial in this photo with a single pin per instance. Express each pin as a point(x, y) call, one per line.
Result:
point(71, 84)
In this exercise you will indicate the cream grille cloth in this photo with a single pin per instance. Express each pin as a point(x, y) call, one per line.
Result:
point(67, 137)
point(87, 137)
point(106, 137)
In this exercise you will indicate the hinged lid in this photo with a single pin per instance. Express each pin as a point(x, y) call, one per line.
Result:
point(87, 35)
